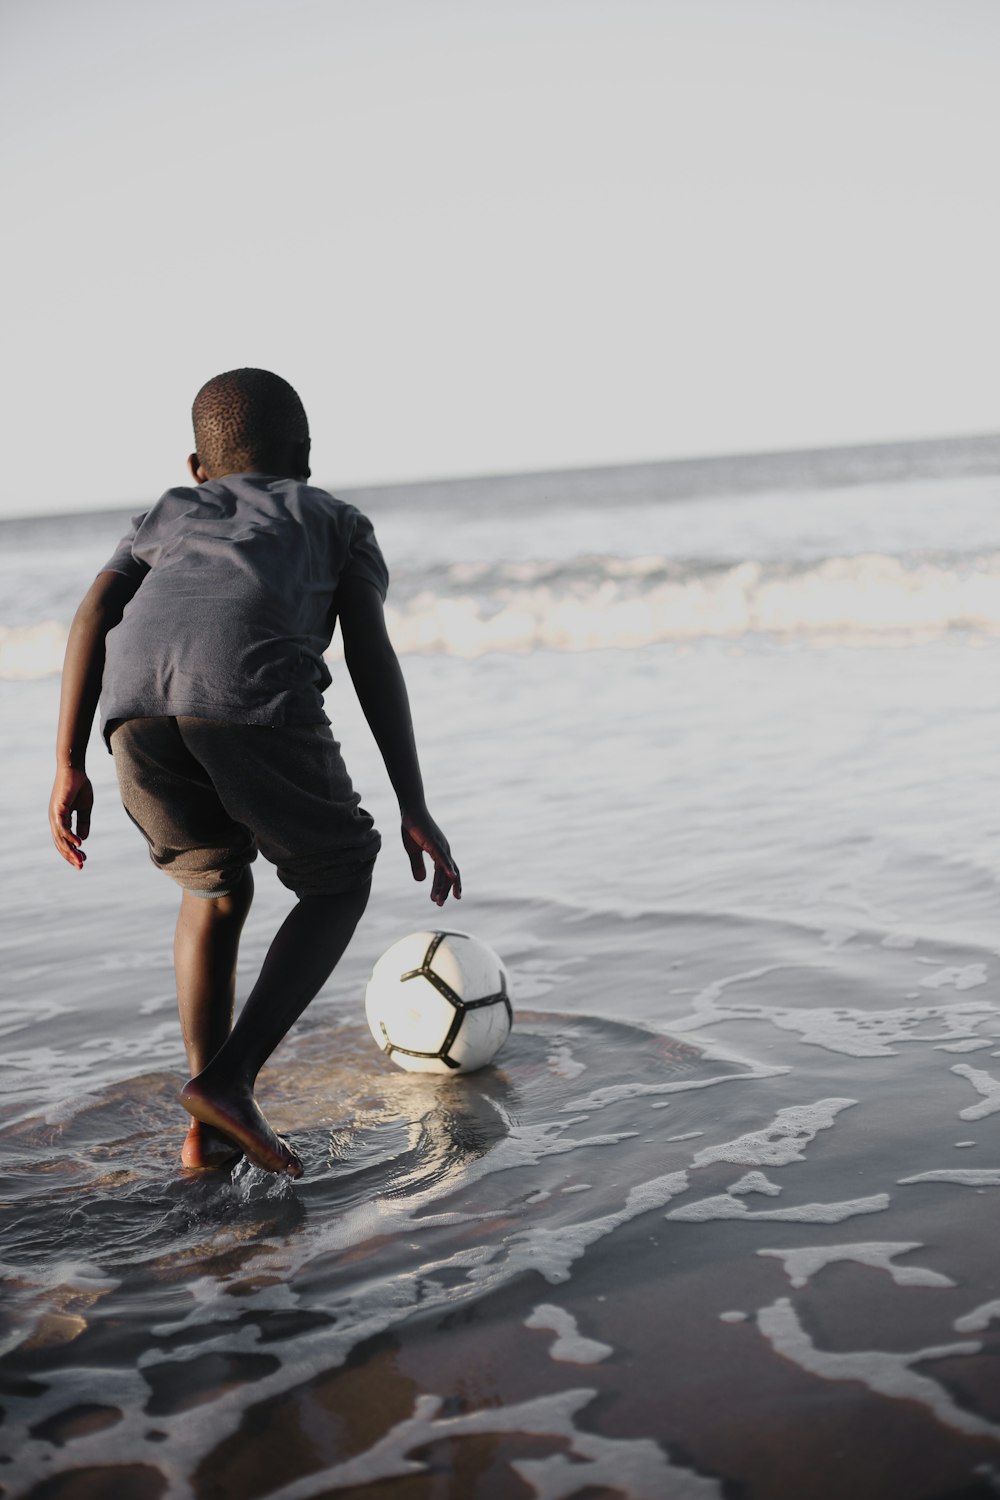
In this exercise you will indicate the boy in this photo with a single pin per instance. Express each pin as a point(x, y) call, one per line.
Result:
point(203, 638)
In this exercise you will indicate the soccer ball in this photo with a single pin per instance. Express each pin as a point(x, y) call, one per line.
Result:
point(437, 1003)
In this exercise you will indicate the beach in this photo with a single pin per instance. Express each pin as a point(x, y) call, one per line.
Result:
point(715, 747)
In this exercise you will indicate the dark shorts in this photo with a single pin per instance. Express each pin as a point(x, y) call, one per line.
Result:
point(207, 795)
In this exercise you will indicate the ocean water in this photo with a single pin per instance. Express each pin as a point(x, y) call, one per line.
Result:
point(715, 746)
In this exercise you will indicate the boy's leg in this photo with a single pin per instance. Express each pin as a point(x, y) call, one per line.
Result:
point(206, 946)
point(305, 950)
point(171, 799)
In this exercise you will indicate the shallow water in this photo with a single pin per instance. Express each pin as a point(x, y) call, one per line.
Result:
point(722, 1218)
point(609, 1211)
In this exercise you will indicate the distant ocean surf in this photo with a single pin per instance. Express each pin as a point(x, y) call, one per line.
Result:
point(715, 743)
point(634, 556)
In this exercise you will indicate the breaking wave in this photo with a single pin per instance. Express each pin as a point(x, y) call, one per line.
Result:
point(590, 603)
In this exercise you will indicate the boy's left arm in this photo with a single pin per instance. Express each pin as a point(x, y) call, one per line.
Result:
point(381, 691)
point(101, 609)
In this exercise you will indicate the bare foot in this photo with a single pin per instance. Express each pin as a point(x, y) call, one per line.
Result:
point(234, 1113)
point(205, 1148)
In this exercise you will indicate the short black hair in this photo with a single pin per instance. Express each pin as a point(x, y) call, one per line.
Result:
point(247, 420)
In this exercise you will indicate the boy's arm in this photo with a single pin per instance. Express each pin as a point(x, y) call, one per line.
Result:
point(83, 668)
point(378, 682)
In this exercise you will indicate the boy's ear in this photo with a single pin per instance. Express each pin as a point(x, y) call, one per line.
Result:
point(303, 470)
point(196, 471)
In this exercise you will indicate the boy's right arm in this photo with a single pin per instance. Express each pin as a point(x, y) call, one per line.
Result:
point(83, 668)
point(378, 682)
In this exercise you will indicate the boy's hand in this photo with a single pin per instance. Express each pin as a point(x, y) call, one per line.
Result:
point(71, 793)
point(421, 836)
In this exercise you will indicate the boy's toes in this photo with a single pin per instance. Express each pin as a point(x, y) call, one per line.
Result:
point(279, 1157)
point(293, 1165)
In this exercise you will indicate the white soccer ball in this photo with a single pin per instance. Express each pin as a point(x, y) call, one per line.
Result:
point(437, 1002)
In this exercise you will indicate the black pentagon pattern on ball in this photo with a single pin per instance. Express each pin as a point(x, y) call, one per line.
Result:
point(460, 1006)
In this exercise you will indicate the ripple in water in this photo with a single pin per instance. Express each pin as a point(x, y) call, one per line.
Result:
point(466, 1266)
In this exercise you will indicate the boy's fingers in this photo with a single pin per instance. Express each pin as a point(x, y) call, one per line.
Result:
point(415, 855)
point(72, 794)
point(59, 826)
point(417, 841)
point(446, 878)
point(66, 844)
point(84, 808)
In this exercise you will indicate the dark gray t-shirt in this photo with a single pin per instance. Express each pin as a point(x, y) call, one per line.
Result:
point(234, 607)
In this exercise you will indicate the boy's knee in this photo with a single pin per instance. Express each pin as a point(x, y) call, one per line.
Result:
point(340, 873)
point(349, 902)
point(232, 900)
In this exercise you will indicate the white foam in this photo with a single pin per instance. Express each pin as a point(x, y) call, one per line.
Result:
point(690, 1135)
point(362, 1308)
point(570, 1347)
point(67, 1387)
point(215, 1303)
point(964, 977)
point(614, 1093)
point(963, 1176)
point(65, 1110)
point(804, 1261)
point(563, 1064)
point(780, 1142)
point(979, 1318)
point(154, 1003)
point(599, 602)
point(16, 1016)
point(887, 1374)
point(245, 1340)
point(28, 652)
point(733, 1316)
point(861, 597)
point(854, 1033)
point(965, 1044)
point(527, 1145)
point(637, 1466)
point(983, 1084)
point(754, 1182)
point(552, 1251)
point(725, 1206)
point(79, 1276)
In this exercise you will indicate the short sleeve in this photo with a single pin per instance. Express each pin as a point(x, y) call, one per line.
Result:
point(122, 559)
point(365, 558)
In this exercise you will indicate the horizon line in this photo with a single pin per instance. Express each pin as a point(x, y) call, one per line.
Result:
point(728, 457)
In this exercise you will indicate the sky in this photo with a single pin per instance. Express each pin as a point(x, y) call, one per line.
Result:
point(489, 236)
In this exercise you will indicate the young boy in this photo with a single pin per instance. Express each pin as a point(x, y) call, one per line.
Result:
point(203, 637)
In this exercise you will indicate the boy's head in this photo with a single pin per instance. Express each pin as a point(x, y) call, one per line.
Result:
point(248, 421)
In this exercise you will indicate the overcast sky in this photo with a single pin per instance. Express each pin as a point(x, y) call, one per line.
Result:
point(493, 235)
